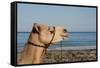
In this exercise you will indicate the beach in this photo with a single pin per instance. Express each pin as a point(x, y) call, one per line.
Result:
point(56, 56)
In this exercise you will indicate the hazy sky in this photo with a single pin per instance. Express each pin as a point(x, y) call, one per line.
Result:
point(75, 19)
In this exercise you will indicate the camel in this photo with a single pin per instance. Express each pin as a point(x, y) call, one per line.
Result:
point(39, 40)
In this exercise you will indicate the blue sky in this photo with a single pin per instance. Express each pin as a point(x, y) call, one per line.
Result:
point(75, 19)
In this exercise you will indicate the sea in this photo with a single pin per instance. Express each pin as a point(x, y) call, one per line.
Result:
point(76, 40)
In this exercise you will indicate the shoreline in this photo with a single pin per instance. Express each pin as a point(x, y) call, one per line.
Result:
point(67, 48)
point(73, 48)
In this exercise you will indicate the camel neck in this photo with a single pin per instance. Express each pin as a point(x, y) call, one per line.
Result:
point(32, 55)
point(38, 54)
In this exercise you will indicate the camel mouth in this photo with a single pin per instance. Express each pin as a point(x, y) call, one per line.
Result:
point(65, 36)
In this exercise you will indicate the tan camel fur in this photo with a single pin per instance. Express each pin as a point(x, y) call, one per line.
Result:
point(40, 35)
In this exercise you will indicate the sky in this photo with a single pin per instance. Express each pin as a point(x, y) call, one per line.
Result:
point(74, 19)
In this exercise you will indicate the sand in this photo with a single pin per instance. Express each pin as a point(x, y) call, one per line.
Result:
point(56, 56)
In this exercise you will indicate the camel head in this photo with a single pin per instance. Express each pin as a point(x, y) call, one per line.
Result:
point(44, 33)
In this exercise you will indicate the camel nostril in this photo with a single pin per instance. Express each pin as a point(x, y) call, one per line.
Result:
point(65, 30)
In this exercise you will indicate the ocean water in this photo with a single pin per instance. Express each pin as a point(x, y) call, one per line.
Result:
point(76, 39)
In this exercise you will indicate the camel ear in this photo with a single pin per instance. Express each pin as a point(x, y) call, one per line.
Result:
point(36, 28)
